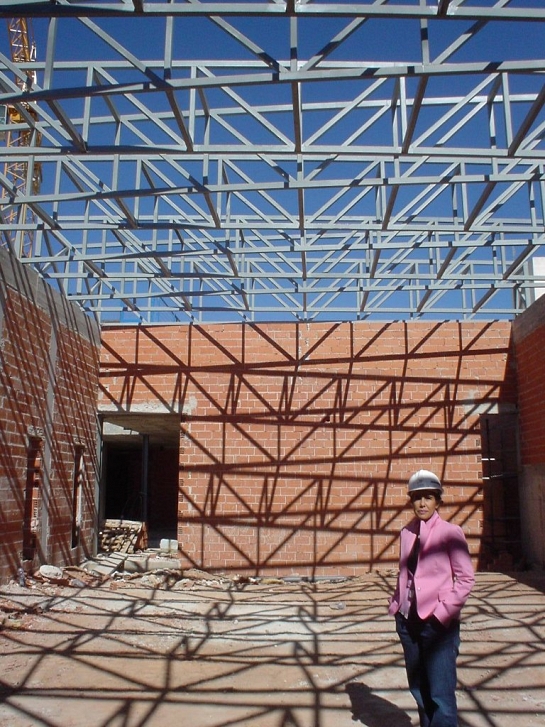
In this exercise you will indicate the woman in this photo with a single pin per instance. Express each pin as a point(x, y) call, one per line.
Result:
point(435, 579)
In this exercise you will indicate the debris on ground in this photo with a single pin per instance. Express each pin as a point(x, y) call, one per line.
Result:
point(149, 568)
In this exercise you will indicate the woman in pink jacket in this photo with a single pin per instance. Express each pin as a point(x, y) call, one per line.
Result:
point(435, 579)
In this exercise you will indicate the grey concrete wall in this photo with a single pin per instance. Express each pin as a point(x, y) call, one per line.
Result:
point(532, 504)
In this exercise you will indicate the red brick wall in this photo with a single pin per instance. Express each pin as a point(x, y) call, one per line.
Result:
point(529, 339)
point(297, 440)
point(530, 356)
point(48, 390)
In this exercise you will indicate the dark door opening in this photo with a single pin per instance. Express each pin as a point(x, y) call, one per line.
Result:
point(123, 483)
point(502, 549)
point(140, 479)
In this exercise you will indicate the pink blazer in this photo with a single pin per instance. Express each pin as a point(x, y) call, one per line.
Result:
point(444, 575)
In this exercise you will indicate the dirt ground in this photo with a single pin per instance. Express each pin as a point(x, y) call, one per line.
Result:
point(158, 649)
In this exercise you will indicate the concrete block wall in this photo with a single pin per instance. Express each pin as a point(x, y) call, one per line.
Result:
point(529, 339)
point(48, 400)
point(297, 440)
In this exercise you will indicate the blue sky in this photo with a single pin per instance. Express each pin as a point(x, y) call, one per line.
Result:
point(377, 41)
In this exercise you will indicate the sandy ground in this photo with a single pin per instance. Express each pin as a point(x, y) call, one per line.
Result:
point(162, 651)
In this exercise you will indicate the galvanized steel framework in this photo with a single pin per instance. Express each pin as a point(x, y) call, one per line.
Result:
point(255, 161)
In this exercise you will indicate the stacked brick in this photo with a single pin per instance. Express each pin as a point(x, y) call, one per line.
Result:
point(529, 334)
point(48, 392)
point(529, 338)
point(297, 440)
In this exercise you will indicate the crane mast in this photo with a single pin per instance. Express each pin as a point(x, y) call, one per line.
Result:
point(21, 241)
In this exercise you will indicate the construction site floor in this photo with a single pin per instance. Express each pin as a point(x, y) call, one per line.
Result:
point(154, 648)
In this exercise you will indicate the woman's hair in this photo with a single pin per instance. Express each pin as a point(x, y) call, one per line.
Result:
point(436, 493)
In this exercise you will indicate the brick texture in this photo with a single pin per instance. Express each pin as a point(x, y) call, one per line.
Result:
point(529, 341)
point(48, 391)
point(531, 393)
point(297, 439)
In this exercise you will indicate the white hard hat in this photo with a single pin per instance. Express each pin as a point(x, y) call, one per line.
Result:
point(424, 480)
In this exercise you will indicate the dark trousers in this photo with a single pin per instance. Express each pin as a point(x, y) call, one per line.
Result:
point(430, 651)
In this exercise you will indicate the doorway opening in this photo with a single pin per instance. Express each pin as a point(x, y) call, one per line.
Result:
point(502, 542)
point(140, 472)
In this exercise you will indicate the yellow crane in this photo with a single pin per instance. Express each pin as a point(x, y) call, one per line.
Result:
point(23, 50)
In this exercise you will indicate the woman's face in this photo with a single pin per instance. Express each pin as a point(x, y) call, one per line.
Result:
point(424, 503)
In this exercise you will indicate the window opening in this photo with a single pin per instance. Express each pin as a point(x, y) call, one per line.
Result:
point(77, 489)
point(33, 498)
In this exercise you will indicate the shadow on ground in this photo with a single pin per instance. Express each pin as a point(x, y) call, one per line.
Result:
point(160, 651)
point(374, 711)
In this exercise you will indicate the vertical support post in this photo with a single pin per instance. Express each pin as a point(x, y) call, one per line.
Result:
point(144, 480)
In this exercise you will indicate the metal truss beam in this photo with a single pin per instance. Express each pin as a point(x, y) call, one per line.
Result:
point(325, 161)
point(459, 9)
